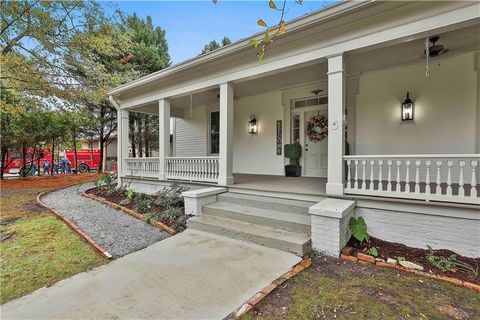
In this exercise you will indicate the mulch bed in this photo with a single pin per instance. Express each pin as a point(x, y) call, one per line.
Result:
point(118, 196)
point(393, 250)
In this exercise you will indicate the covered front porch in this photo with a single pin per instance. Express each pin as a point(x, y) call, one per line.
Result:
point(373, 147)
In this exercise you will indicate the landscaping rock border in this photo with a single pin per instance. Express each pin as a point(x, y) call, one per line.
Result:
point(128, 211)
point(368, 259)
point(259, 296)
point(70, 224)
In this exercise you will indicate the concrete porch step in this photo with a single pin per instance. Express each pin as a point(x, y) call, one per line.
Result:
point(269, 203)
point(285, 240)
point(271, 218)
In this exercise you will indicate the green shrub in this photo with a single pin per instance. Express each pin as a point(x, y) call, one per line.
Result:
point(151, 217)
point(172, 214)
point(181, 222)
point(293, 151)
point(142, 203)
point(373, 251)
point(449, 263)
point(170, 196)
point(105, 180)
point(358, 227)
point(129, 193)
point(125, 202)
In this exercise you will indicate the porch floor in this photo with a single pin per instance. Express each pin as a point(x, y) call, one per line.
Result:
point(297, 185)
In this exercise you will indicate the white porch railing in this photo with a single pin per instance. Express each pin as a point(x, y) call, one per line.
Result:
point(142, 167)
point(203, 169)
point(436, 177)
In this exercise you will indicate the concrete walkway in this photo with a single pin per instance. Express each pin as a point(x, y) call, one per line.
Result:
point(192, 275)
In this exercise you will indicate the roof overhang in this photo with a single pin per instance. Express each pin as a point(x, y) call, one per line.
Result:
point(294, 25)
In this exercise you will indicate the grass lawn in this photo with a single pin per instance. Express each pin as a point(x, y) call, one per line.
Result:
point(333, 289)
point(36, 248)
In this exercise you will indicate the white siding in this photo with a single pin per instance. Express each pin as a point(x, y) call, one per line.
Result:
point(191, 133)
point(445, 108)
point(257, 153)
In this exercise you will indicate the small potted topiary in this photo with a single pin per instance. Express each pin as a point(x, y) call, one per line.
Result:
point(293, 152)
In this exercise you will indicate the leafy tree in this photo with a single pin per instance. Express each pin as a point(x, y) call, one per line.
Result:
point(149, 51)
point(33, 37)
point(212, 45)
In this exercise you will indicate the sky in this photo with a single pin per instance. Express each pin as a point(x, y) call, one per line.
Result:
point(190, 25)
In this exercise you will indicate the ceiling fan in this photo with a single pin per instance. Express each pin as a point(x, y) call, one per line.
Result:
point(435, 49)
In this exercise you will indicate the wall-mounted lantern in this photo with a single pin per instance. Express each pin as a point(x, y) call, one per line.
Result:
point(252, 125)
point(407, 108)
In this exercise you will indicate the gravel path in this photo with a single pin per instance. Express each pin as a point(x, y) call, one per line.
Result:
point(117, 232)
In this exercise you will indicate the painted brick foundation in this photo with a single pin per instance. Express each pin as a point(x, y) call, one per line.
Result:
point(461, 235)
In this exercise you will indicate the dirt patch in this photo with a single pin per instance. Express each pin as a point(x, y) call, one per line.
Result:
point(5, 236)
point(394, 250)
point(333, 289)
point(6, 221)
point(47, 181)
point(453, 312)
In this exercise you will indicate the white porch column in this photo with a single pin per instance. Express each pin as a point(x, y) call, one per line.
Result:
point(122, 143)
point(336, 134)
point(225, 176)
point(164, 135)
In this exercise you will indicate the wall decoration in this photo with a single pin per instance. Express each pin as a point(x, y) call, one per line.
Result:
point(279, 137)
point(317, 128)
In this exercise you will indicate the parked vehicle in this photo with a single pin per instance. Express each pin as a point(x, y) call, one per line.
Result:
point(88, 159)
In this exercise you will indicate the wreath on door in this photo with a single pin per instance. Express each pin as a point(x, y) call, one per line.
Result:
point(317, 128)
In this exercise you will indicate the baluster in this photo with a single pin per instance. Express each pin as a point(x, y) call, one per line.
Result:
point(407, 176)
point(449, 177)
point(389, 176)
point(190, 168)
point(380, 176)
point(181, 164)
point(355, 185)
point(371, 186)
point(417, 176)
point(398, 187)
point(194, 168)
point(461, 189)
point(364, 165)
point(197, 168)
point(473, 182)
point(187, 166)
point(427, 177)
point(438, 189)
point(207, 169)
point(349, 174)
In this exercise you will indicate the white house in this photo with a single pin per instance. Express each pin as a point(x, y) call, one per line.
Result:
point(415, 181)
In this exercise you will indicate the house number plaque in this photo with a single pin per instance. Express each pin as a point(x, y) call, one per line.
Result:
point(279, 137)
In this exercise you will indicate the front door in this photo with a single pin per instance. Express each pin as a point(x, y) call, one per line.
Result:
point(316, 152)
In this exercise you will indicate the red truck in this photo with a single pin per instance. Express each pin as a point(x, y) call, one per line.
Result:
point(88, 159)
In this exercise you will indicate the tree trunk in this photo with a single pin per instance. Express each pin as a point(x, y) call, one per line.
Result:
point(102, 146)
point(146, 134)
point(74, 133)
point(4, 160)
point(131, 131)
point(53, 157)
point(24, 161)
point(38, 162)
point(140, 138)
